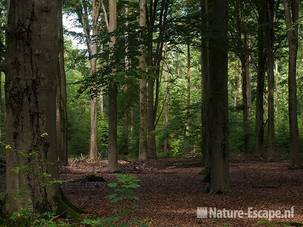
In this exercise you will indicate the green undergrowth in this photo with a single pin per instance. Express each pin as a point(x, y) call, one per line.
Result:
point(122, 197)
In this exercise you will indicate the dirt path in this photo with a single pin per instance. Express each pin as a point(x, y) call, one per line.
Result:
point(172, 190)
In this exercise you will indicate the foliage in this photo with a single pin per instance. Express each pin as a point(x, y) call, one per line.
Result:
point(27, 218)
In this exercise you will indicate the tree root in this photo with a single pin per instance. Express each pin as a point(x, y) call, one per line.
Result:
point(66, 208)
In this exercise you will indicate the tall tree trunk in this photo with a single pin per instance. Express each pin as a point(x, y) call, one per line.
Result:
point(112, 93)
point(166, 101)
point(205, 86)
point(292, 15)
point(188, 98)
point(61, 116)
point(143, 87)
point(1, 110)
point(271, 77)
point(246, 93)
point(93, 150)
point(90, 32)
point(260, 79)
point(101, 103)
point(92, 47)
point(31, 105)
point(151, 137)
point(242, 40)
point(218, 108)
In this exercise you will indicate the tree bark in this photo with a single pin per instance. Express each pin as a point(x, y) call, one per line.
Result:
point(92, 48)
point(151, 137)
point(271, 77)
point(61, 116)
point(90, 32)
point(188, 99)
point(205, 86)
point(243, 54)
point(260, 79)
point(31, 88)
point(143, 87)
point(112, 93)
point(166, 101)
point(292, 15)
point(218, 108)
point(246, 93)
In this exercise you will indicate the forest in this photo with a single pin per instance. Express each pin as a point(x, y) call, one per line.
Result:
point(151, 113)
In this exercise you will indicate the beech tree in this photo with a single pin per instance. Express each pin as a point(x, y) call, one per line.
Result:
point(217, 97)
point(88, 14)
point(269, 39)
point(291, 8)
point(143, 83)
point(261, 7)
point(61, 111)
point(31, 88)
point(112, 92)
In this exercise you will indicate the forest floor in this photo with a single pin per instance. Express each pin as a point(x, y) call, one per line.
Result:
point(172, 189)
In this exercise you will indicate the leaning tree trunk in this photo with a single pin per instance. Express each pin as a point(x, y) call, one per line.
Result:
point(31, 87)
point(292, 16)
point(143, 87)
point(61, 117)
point(218, 96)
point(112, 94)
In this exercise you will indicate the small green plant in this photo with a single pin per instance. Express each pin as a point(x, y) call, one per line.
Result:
point(27, 218)
point(265, 222)
point(124, 195)
point(100, 221)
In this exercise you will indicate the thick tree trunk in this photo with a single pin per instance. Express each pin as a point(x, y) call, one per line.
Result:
point(61, 117)
point(218, 97)
point(292, 16)
point(92, 48)
point(260, 80)
point(31, 105)
point(112, 94)
point(143, 87)
point(271, 77)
